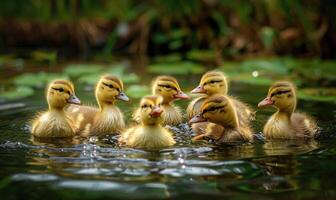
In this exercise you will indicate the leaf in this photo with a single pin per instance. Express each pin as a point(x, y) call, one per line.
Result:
point(77, 70)
point(201, 55)
point(318, 94)
point(176, 68)
point(18, 93)
point(37, 80)
point(137, 91)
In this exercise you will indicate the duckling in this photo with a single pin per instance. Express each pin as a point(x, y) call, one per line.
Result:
point(286, 123)
point(226, 125)
point(149, 134)
point(212, 83)
point(106, 119)
point(54, 122)
point(169, 89)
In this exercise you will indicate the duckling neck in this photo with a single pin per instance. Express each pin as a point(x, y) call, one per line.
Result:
point(150, 125)
point(56, 109)
point(283, 114)
point(106, 105)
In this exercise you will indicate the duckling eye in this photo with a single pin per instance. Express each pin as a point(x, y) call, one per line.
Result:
point(59, 89)
point(108, 85)
point(280, 92)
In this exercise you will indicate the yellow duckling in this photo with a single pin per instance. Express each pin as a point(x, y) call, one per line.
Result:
point(55, 122)
point(169, 89)
point(285, 123)
point(106, 119)
point(149, 134)
point(220, 111)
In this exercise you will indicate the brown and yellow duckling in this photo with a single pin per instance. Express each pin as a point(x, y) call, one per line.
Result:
point(55, 122)
point(213, 83)
point(149, 134)
point(286, 123)
point(169, 89)
point(107, 118)
point(225, 126)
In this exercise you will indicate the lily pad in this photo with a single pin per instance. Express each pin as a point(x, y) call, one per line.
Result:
point(252, 79)
point(318, 94)
point(18, 93)
point(137, 91)
point(275, 66)
point(37, 80)
point(176, 68)
point(89, 79)
point(201, 55)
point(77, 70)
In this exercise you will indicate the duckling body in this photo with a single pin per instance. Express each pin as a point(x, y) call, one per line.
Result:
point(55, 122)
point(149, 134)
point(285, 123)
point(107, 118)
point(169, 89)
point(223, 121)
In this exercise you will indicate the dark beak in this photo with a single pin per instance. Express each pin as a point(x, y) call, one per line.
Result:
point(74, 100)
point(181, 95)
point(266, 102)
point(198, 90)
point(122, 96)
point(156, 112)
point(197, 118)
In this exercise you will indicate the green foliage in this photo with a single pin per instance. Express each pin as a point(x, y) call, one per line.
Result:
point(37, 80)
point(17, 93)
point(137, 91)
point(77, 70)
point(318, 94)
point(176, 68)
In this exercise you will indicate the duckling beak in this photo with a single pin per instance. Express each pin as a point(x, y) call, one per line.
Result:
point(74, 100)
point(156, 112)
point(198, 89)
point(122, 96)
point(197, 118)
point(181, 95)
point(266, 102)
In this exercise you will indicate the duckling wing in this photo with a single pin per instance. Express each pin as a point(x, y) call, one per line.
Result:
point(194, 107)
point(304, 125)
point(244, 112)
point(207, 129)
point(81, 116)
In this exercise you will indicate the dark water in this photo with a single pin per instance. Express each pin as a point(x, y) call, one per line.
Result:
point(97, 168)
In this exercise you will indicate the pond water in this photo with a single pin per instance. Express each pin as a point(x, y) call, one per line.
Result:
point(96, 168)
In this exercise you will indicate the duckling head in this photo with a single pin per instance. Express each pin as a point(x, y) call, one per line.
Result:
point(217, 109)
point(109, 89)
point(151, 110)
point(61, 93)
point(281, 95)
point(212, 82)
point(168, 88)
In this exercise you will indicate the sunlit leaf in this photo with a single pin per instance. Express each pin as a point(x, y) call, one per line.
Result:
point(137, 91)
point(177, 68)
point(18, 93)
point(38, 80)
point(77, 70)
point(318, 94)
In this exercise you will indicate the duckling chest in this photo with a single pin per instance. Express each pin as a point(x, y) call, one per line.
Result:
point(109, 120)
point(279, 127)
point(172, 115)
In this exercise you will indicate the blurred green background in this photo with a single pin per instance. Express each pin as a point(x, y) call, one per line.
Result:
point(251, 40)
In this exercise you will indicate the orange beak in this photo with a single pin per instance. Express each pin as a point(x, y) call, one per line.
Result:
point(198, 90)
point(181, 95)
point(266, 102)
point(197, 118)
point(156, 112)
